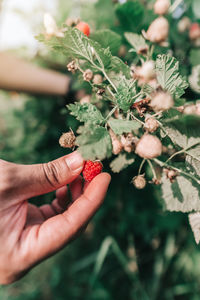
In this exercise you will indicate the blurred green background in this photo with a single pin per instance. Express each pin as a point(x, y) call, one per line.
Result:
point(132, 249)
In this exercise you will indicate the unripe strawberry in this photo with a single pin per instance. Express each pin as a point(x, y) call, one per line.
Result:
point(184, 24)
point(162, 101)
point(72, 67)
point(139, 182)
point(98, 79)
point(146, 71)
point(194, 32)
point(88, 75)
point(151, 124)
point(158, 31)
point(85, 99)
point(83, 27)
point(67, 140)
point(161, 7)
point(149, 147)
point(91, 170)
point(129, 142)
point(116, 144)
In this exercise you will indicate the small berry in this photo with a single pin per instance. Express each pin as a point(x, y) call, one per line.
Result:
point(72, 22)
point(171, 174)
point(162, 101)
point(158, 30)
point(91, 170)
point(84, 28)
point(146, 71)
point(194, 32)
point(161, 7)
point(72, 67)
point(86, 99)
point(88, 75)
point(139, 182)
point(116, 144)
point(98, 79)
point(149, 147)
point(184, 24)
point(151, 124)
point(129, 142)
point(67, 140)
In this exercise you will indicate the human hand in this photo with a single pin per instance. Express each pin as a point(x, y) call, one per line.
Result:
point(29, 234)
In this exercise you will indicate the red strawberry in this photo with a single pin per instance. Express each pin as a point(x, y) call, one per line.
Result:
point(91, 170)
point(84, 27)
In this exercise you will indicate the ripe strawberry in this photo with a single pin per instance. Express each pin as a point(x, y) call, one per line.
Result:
point(84, 27)
point(91, 170)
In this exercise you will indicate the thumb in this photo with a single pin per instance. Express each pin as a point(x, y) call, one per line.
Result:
point(34, 180)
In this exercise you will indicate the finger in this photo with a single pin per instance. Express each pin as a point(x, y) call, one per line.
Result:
point(76, 188)
point(56, 232)
point(33, 180)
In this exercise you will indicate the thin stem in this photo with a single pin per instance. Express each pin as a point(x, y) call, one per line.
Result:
point(152, 169)
point(136, 119)
point(111, 112)
point(109, 89)
point(109, 80)
point(175, 154)
point(141, 166)
point(175, 5)
point(164, 164)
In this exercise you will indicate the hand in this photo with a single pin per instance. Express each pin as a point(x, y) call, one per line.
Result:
point(29, 234)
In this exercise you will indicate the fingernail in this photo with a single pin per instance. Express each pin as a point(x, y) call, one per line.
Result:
point(75, 161)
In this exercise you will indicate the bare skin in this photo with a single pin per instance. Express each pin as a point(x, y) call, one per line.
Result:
point(29, 234)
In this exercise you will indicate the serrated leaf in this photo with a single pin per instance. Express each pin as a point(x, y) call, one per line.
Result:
point(184, 132)
point(126, 90)
point(181, 195)
point(136, 41)
point(87, 113)
point(168, 76)
point(95, 143)
point(193, 160)
point(123, 126)
point(107, 38)
point(119, 67)
point(122, 162)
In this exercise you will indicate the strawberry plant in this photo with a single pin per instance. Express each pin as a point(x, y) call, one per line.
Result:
point(137, 110)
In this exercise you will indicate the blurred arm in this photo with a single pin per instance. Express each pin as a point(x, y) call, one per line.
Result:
point(17, 75)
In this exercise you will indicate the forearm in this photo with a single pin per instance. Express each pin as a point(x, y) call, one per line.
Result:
point(17, 75)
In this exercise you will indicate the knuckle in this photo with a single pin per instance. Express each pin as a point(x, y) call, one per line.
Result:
point(6, 178)
point(52, 174)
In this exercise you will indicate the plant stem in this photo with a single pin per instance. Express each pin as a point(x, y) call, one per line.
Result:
point(136, 119)
point(111, 112)
point(164, 164)
point(175, 5)
point(141, 166)
point(152, 169)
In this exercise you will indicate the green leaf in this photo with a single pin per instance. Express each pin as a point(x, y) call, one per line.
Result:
point(184, 132)
point(107, 38)
point(137, 41)
point(168, 76)
point(121, 162)
point(95, 143)
point(181, 195)
point(119, 67)
point(87, 113)
point(194, 56)
point(130, 14)
point(123, 126)
point(126, 90)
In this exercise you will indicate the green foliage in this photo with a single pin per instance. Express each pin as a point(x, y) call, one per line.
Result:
point(125, 93)
point(121, 162)
point(136, 41)
point(87, 113)
point(108, 39)
point(167, 69)
point(130, 14)
point(123, 126)
point(95, 143)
